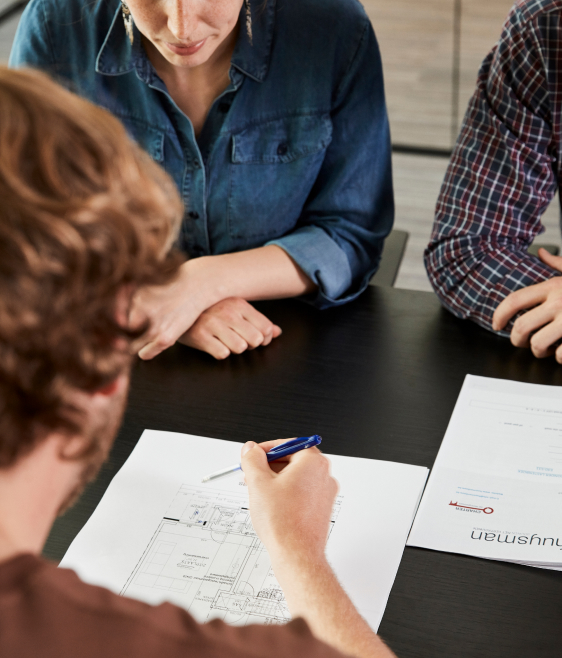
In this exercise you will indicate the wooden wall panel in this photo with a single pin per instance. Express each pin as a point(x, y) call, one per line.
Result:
point(416, 41)
point(481, 26)
point(415, 37)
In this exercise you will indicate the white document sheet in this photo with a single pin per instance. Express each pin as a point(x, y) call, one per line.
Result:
point(496, 487)
point(159, 534)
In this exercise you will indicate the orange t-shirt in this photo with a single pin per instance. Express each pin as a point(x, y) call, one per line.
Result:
point(51, 613)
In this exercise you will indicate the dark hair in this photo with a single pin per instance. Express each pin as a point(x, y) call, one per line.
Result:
point(84, 215)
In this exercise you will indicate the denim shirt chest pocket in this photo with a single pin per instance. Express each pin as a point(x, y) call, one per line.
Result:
point(273, 168)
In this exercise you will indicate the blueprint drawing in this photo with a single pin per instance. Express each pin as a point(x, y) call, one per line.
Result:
point(205, 556)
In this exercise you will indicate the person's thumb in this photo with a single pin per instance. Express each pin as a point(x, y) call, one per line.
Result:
point(549, 259)
point(254, 462)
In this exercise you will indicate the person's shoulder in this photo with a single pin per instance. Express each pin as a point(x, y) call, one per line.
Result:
point(69, 15)
point(69, 616)
point(524, 12)
point(344, 14)
point(62, 36)
point(70, 592)
point(315, 31)
point(59, 599)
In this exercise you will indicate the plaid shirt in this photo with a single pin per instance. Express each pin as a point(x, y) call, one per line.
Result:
point(504, 169)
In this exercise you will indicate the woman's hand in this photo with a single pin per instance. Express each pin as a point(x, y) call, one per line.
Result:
point(540, 328)
point(171, 309)
point(232, 325)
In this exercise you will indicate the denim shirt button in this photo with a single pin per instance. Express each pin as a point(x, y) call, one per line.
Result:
point(282, 149)
point(196, 164)
point(193, 214)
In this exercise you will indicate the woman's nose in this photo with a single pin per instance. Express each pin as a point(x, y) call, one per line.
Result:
point(181, 19)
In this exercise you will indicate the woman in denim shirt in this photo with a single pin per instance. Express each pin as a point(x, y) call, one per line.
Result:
point(270, 117)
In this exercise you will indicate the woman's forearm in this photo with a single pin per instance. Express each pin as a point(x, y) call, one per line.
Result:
point(263, 273)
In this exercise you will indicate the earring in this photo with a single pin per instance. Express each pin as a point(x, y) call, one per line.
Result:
point(248, 20)
point(128, 20)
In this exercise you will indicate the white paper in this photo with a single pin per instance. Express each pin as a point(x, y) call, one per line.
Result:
point(496, 487)
point(159, 534)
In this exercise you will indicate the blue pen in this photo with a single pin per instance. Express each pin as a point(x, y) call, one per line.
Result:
point(282, 450)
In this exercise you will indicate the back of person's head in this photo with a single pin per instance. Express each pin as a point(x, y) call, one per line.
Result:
point(85, 217)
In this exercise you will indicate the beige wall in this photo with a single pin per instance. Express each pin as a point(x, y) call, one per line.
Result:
point(416, 41)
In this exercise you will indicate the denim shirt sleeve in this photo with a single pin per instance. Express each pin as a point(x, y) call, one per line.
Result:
point(33, 42)
point(340, 236)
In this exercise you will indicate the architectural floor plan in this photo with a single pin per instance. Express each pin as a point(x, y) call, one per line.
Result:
point(206, 557)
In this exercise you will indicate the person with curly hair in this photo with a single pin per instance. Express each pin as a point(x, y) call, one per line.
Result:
point(87, 221)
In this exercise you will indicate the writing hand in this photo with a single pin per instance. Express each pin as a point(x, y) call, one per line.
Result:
point(540, 328)
point(231, 325)
point(291, 503)
point(290, 509)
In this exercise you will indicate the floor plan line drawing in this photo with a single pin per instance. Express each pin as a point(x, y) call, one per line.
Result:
point(206, 557)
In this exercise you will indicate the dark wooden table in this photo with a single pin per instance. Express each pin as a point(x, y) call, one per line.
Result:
point(377, 378)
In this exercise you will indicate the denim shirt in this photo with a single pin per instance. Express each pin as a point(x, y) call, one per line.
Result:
point(295, 152)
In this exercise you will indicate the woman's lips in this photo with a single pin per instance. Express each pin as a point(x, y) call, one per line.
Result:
point(179, 49)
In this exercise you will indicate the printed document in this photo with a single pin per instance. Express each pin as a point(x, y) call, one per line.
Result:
point(159, 534)
point(496, 487)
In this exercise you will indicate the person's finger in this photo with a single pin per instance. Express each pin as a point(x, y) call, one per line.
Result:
point(530, 322)
point(248, 332)
point(549, 259)
point(263, 324)
point(251, 314)
point(254, 463)
point(205, 342)
point(268, 445)
point(150, 350)
point(544, 342)
point(231, 315)
point(161, 342)
point(233, 341)
point(558, 354)
point(518, 301)
point(275, 333)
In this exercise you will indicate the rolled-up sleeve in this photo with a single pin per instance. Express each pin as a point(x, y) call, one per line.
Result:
point(501, 176)
point(340, 234)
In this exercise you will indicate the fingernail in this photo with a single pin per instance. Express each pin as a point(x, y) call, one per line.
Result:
point(247, 447)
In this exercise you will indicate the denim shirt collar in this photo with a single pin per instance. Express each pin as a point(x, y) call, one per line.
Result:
point(117, 56)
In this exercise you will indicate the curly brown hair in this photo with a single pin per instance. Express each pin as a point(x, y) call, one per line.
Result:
point(84, 215)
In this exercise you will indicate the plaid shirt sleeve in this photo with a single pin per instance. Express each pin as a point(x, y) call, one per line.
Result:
point(502, 176)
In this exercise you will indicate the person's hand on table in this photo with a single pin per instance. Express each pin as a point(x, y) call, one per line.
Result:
point(540, 328)
point(231, 325)
point(221, 283)
point(171, 309)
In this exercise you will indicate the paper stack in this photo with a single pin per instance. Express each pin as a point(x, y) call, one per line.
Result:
point(495, 491)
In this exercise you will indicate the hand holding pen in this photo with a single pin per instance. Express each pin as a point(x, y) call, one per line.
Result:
point(278, 451)
point(291, 507)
